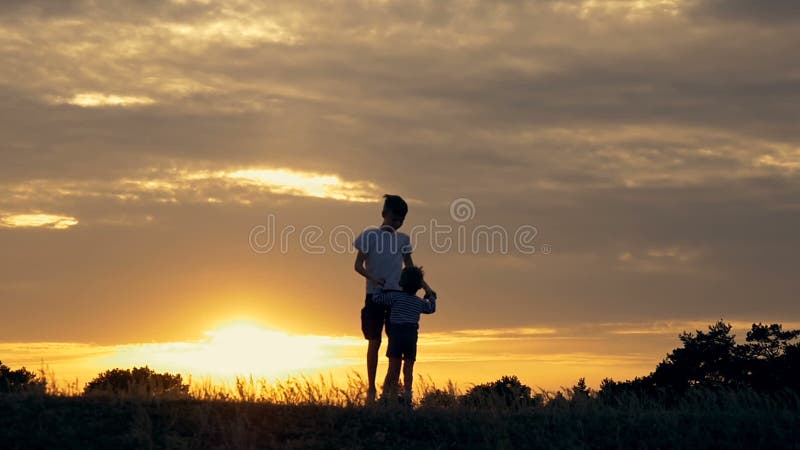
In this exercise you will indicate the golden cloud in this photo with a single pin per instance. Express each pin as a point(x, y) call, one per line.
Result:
point(239, 186)
point(99, 100)
point(38, 220)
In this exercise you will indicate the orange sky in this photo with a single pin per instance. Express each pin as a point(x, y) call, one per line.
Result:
point(652, 145)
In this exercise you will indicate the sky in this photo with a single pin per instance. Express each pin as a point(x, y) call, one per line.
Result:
point(650, 150)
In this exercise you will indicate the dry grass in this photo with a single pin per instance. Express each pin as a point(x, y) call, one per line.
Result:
point(308, 412)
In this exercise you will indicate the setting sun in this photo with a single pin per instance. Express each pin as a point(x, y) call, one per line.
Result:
point(241, 348)
point(251, 348)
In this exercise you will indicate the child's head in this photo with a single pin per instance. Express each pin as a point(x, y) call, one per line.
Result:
point(411, 279)
point(394, 210)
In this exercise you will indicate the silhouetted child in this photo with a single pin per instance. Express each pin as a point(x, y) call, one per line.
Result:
point(403, 328)
point(381, 255)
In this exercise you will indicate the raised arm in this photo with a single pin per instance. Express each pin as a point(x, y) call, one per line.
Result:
point(429, 304)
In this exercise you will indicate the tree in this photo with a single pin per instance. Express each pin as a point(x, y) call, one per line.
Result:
point(707, 359)
point(139, 381)
point(768, 357)
point(790, 377)
point(580, 392)
point(18, 380)
point(620, 393)
point(769, 360)
point(769, 342)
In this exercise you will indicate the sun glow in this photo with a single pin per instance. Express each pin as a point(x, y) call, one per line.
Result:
point(283, 181)
point(257, 349)
point(242, 348)
point(98, 99)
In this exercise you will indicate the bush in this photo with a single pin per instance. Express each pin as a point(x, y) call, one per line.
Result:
point(438, 398)
point(507, 392)
point(20, 380)
point(139, 381)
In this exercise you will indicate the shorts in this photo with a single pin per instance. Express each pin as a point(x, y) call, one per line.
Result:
point(403, 341)
point(373, 317)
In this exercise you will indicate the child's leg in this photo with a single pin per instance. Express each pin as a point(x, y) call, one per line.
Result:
point(392, 377)
point(372, 362)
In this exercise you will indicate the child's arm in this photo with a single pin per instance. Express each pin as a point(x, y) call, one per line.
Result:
point(429, 304)
point(359, 267)
point(410, 262)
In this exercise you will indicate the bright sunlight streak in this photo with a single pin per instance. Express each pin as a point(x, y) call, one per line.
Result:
point(242, 348)
point(309, 184)
point(97, 99)
point(52, 221)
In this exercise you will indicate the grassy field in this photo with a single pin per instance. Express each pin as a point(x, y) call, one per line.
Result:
point(304, 413)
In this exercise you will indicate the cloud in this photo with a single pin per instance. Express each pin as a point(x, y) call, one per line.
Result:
point(457, 337)
point(95, 99)
point(283, 181)
point(37, 220)
point(670, 259)
point(172, 186)
point(787, 162)
point(778, 12)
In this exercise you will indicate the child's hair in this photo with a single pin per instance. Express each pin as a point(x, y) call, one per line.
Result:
point(395, 204)
point(411, 279)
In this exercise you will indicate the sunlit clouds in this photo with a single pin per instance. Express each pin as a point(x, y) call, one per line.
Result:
point(639, 10)
point(50, 221)
point(670, 259)
point(239, 30)
point(466, 336)
point(177, 186)
point(781, 162)
point(99, 100)
point(672, 328)
point(281, 181)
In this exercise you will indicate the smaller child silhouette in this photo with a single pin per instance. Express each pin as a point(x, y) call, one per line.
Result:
point(403, 328)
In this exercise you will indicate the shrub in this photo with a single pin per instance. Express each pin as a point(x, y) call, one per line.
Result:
point(438, 398)
point(139, 381)
point(507, 392)
point(20, 380)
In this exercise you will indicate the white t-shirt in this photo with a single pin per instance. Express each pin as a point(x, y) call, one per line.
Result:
point(384, 250)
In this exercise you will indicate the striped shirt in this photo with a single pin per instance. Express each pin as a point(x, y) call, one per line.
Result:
point(405, 308)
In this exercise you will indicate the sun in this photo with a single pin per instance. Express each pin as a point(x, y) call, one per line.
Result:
point(248, 348)
point(242, 348)
point(252, 348)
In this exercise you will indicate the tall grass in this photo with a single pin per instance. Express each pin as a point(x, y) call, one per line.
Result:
point(302, 390)
point(323, 390)
point(318, 412)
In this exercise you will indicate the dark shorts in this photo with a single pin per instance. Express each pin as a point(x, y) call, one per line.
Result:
point(403, 341)
point(373, 316)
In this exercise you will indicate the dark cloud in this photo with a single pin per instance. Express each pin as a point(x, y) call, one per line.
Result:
point(776, 12)
point(115, 11)
point(46, 8)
